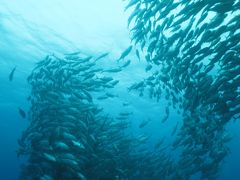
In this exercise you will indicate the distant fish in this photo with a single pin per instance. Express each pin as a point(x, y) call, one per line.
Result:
point(174, 129)
point(125, 53)
point(12, 73)
point(131, 3)
point(159, 143)
point(102, 97)
point(165, 118)
point(125, 113)
point(125, 104)
point(102, 56)
point(29, 98)
point(149, 67)
point(22, 113)
point(144, 123)
point(127, 63)
point(73, 54)
point(115, 82)
point(49, 157)
point(111, 95)
point(138, 55)
point(114, 70)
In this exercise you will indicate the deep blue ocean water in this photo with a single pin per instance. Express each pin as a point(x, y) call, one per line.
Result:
point(30, 30)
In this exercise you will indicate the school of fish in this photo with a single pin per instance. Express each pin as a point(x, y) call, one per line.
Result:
point(71, 137)
point(192, 50)
point(193, 53)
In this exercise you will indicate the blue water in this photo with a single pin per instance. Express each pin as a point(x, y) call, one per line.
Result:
point(30, 30)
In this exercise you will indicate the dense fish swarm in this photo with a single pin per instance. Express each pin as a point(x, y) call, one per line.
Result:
point(70, 137)
point(193, 54)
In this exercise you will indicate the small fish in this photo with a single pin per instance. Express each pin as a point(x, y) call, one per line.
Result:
point(114, 70)
point(122, 117)
point(12, 73)
point(125, 113)
point(61, 146)
point(131, 3)
point(144, 123)
point(22, 113)
point(111, 95)
point(29, 98)
point(174, 129)
point(138, 55)
point(127, 63)
point(72, 54)
point(115, 82)
point(86, 59)
point(49, 157)
point(46, 177)
point(125, 104)
point(143, 138)
point(159, 143)
point(101, 56)
point(148, 68)
point(125, 53)
point(164, 119)
point(102, 97)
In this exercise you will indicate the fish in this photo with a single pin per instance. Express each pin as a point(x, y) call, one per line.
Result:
point(160, 143)
point(49, 157)
point(144, 123)
point(73, 54)
point(131, 3)
point(125, 113)
point(12, 73)
point(143, 138)
point(113, 70)
point(136, 86)
point(138, 54)
point(78, 144)
point(110, 95)
point(197, 63)
point(174, 129)
point(102, 97)
point(69, 162)
point(115, 82)
point(164, 119)
point(61, 146)
point(126, 104)
point(22, 113)
point(127, 63)
point(68, 136)
point(46, 177)
point(102, 56)
point(69, 129)
point(148, 67)
point(86, 59)
point(81, 176)
point(125, 53)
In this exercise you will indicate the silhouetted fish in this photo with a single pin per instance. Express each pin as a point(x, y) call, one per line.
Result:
point(12, 73)
point(22, 113)
point(125, 53)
